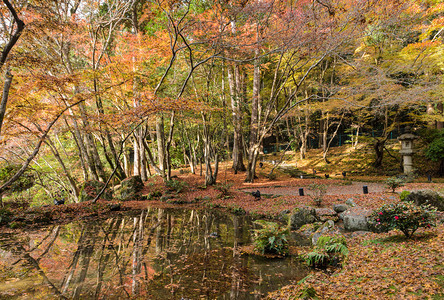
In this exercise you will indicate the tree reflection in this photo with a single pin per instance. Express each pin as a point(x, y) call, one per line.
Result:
point(155, 254)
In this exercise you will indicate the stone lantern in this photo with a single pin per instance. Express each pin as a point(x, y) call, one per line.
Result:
point(407, 149)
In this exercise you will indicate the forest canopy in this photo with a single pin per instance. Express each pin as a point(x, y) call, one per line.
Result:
point(93, 89)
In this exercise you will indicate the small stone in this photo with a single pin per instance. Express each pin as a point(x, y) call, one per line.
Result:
point(285, 212)
point(350, 202)
point(338, 208)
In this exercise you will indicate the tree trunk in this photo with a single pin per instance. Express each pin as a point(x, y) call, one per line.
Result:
point(151, 158)
point(161, 145)
point(168, 146)
point(143, 161)
point(253, 149)
point(235, 89)
point(136, 160)
point(119, 171)
point(355, 143)
point(6, 88)
point(94, 161)
point(80, 144)
point(304, 133)
point(324, 153)
point(378, 146)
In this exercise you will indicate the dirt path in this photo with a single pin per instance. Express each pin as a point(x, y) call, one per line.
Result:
point(354, 188)
point(339, 189)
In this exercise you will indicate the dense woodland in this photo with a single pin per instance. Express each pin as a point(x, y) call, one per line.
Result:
point(94, 90)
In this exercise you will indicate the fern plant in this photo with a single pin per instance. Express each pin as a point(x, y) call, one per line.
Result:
point(307, 293)
point(329, 250)
point(271, 238)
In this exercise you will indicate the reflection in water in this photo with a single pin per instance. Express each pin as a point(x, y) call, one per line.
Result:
point(156, 254)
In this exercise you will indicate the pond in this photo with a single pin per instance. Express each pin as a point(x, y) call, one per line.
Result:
point(154, 254)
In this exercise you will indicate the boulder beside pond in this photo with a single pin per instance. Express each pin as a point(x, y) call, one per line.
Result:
point(302, 216)
point(130, 189)
point(91, 188)
point(427, 197)
point(356, 219)
point(325, 214)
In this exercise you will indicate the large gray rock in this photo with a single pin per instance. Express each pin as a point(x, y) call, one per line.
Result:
point(356, 219)
point(130, 189)
point(426, 197)
point(302, 216)
point(325, 214)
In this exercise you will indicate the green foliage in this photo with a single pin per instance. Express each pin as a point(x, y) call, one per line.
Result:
point(237, 210)
point(329, 250)
point(25, 181)
point(175, 185)
point(319, 190)
point(328, 240)
point(435, 151)
point(271, 238)
point(14, 225)
point(316, 259)
point(394, 182)
point(404, 195)
point(176, 157)
point(153, 195)
point(405, 216)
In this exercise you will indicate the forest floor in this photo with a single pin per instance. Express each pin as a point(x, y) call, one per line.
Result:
point(379, 266)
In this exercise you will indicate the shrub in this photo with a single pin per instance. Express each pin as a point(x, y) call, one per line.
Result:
point(435, 151)
point(319, 190)
point(175, 185)
point(224, 188)
point(329, 250)
point(272, 176)
point(404, 195)
point(154, 195)
point(405, 216)
point(5, 215)
point(237, 210)
point(271, 238)
point(394, 182)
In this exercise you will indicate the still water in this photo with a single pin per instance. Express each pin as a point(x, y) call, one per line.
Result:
point(154, 254)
